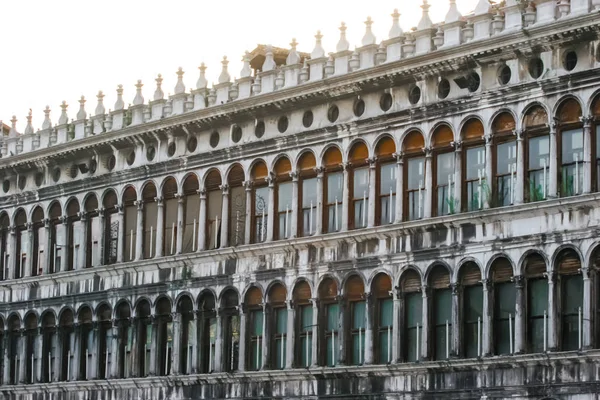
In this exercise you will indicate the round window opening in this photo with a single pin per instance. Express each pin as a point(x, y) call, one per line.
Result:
point(333, 113)
point(504, 75)
point(359, 107)
point(150, 153)
point(307, 119)
point(171, 149)
point(131, 157)
point(282, 124)
point(73, 171)
point(192, 143)
point(6, 186)
point(474, 82)
point(214, 139)
point(56, 174)
point(111, 163)
point(259, 129)
point(22, 182)
point(443, 89)
point(386, 101)
point(536, 67)
point(39, 179)
point(93, 166)
point(414, 95)
point(236, 133)
point(570, 60)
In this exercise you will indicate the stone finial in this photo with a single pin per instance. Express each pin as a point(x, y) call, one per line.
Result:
point(100, 110)
point(354, 62)
point(304, 74)
point(28, 128)
point(47, 123)
point(425, 22)
point(482, 8)
point(293, 56)
point(438, 39)
point(224, 77)
point(179, 86)
point(329, 69)
point(453, 14)
point(269, 64)
point(81, 114)
point(318, 51)
point(343, 44)
point(138, 99)
point(380, 55)
point(396, 30)
point(369, 37)
point(202, 83)
point(280, 79)
point(158, 93)
point(119, 104)
point(246, 70)
point(64, 118)
point(13, 127)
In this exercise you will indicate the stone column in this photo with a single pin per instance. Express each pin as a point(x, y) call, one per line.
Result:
point(102, 241)
point(553, 169)
point(153, 367)
point(139, 236)
point(372, 192)
point(552, 313)
point(455, 347)
point(489, 176)
point(428, 184)
point(341, 346)
point(219, 345)
point(486, 348)
point(248, 224)
point(242, 348)
point(176, 350)
point(49, 247)
point(519, 309)
point(132, 371)
point(27, 267)
point(201, 246)
point(458, 181)
point(58, 359)
point(6, 358)
point(81, 255)
point(586, 310)
point(587, 153)
point(266, 338)
point(315, 333)
point(193, 343)
point(424, 332)
point(520, 182)
point(320, 195)
point(396, 337)
point(369, 357)
point(180, 223)
point(121, 236)
point(94, 353)
point(76, 353)
point(22, 357)
point(11, 245)
point(160, 229)
point(225, 216)
point(290, 336)
point(114, 349)
point(399, 188)
point(271, 210)
point(295, 202)
point(37, 371)
point(346, 196)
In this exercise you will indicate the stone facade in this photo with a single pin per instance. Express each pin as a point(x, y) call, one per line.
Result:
point(414, 219)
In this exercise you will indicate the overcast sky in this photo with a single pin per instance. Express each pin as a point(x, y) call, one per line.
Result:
point(62, 49)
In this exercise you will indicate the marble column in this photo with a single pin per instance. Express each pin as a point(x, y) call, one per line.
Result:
point(372, 192)
point(102, 240)
point(121, 235)
point(290, 336)
point(519, 316)
point(242, 348)
point(160, 230)
point(424, 332)
point(399, 188)
point(225, 216)
point(153, 364)
point(486, 190)
point(370, 317)
point(202, 222)
point(340, 350)
point(553, 169)
point(6, 358)
point(520, 183)
point(552, 313)
point(586, 342)
point(114, 349)
point(28, 266)
point(219, 345)
point(39, 340)
point(22, 357)
point(455, 347)
point(176, 349)
point(48, 247)
point(295, 203)
point(428, 184)
point(139, 236)
point(396, 337)
point(271, 220)
point(180, 223)
point(458, 180)
point(248, 223)
point(81, 255)
point(345, 196)
point(75, 353)
point(319, 213)
point(65, 247)
point(487, 314)
point(11, 246)
point(266, 338)
point(587, 153)
point(315, 333)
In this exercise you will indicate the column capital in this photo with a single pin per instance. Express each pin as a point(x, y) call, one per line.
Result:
point(319, 171)
point(518, 133)
point(225, 188)
point(82, 215)
point(159, 201)
point(552, 126)
point(427, 150)
point(586, 273)
point(455, 287)
point(551, 275)
point(399, 156)
point(64, 219)
point(486, 284)
point(47, 222)
point(314, 302)
point(294, 175)
point(248, 185)
point(519, 281)
point(29, 226)
point(101, 212)
point(270, 179)
point(202, 193)
point(425, 291)
point(488, 139)
point(289, 304)
point(587, 121)
point(120, 208)
point(372, 161)
point(457, 144)
point(346, 165)
point(139, 204)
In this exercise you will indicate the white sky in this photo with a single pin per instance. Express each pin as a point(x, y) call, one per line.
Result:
point(62, 49)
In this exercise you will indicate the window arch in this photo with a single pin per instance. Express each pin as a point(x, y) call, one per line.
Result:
point(537, 303)
point(149, 220)
point(237, 205)
point(73, 238)
point(504, 303)
point(568, 265)
point(4, 250)
point(131, 220)
point(304, 324)
point(441, 313)
point(30, 336)
point(214, 198)
point(207, 327)
point(537, 155)
point(414, 175)
point(354, 293)
point(278, 325)
point(21, 243)
point(385, 211)
point(260, 202)
point(412, 315)
point(381, 290)
point(472, 309)
point(111, 228)
point(104, 318)
point(67, 339)
point(329, 318)
point(191, 201)
point(443, 164)
point(308, 194)
point(359, 186)
point(504, 159)
point(475, 187)
point(254, 304)
point(86, 344)
point(283, 198)
point(333, 190)
point(570, 143)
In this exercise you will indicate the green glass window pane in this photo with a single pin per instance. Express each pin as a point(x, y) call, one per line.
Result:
point(413, 306)
point(281, 316)
point(261, 200)
point(442, 304)
point(148, 335)
point(411, 344)
point(306, 350)
point(358, 347)
point(385, 355)
point(386, 312)
point(473, 303)
point(572, 294)
point(504, 307)
point(441, 351)
point(256, 318)
point(332, 352)
point(387, 180)
point(255, 354)
point(536, 327)
point(538, 297)
point(280, 353)
point(284, 196)
point(306, 320)
point(309, 192)
point(475, 162)
point(358, 315)
point(333, 314)
point(335, 184)
point(416, 173)
point(361, 183)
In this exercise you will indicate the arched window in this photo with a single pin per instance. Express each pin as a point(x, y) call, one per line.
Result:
point(164, 337)
point(414, 175)
point(475, 188)
point(14, 327)
point(150, 215)
point(187, 335)
point(86, 343)
point(237, 205)
point(4, 251)
point(21, 243)
point(537, 303)
point(441, 313)
point(214, 197)
point(535, 124)
point(570, 143)
point(56, 234)
point(568, 266)
point(307, 186)
point(230, 318)
point(278, 325)
point(304, 324)
point(191, 214)
point(412, 315)
point(111, 228)
point(130, 217)
point(283, 198)
point(329, 317)
point(383, 328)
point(360, 186)
point(505, 159)
point(385, 211)
point(504, 300)
point(254, 304)
point(74, 236)
point(67, 344)
point(260, 202)
point(169, 209)
point(356, 323)
point(39, 242)
point(31, 331)
point(444, 202)
point(208, 328)
point(123, 337)
point(49, 343)
point(472, 310)
point(333, 192)
point(596, 145)
point(104, 318)
point(90, 229)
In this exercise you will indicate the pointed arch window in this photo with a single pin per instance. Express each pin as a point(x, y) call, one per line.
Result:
point(360, 186)
point(412, 315)
point(304, 324)
point(254, 304)
point(357, 307)
point(237, 205)
point(538, 153)
point(260, 207)
point(191, 214)
point(537, 303)
point(307, 185)
point(111, 228)
point(443, 165)
point(208, 327)
point(278, 326)
point(571, 299)
point(475, 188)
point(214, 198)
point(441, 315)
point(384, 318)
point(472, 310)
point(504, 306)
point(130, 217)
point(283, 198)
point(505, 159)
point(414, 175)
point(570, 176)
point(386, 184)
point(333, 192)
point(329, 318)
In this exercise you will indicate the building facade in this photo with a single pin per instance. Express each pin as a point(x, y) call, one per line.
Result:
point(414, 219)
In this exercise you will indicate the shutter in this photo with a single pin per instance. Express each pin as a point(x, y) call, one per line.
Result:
point(382, 285)
point(569, 111)
point(502, 270)
point(253, 296)
point(91, 203)
point(259, 171)
point(442, 136)
point(354, 288)
point(328, 290)
point(110, 199)
point(236, 176)
point(191, 185)
point(413, 142)
point(535, 266)
point(439, 278)
point(169, 188)
point(359, 153)
point(470, 274)
point(410, 282)
point(473, 129)
point(129, 197)
point(332, 158)
point(212, 180)
point(283, 167)
point(504, 123)
point(568, 263)
point(536, 117)
point(278, 294)
point(386, 147)
point(302, 293)
point(149, 192)
point(307, 162)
